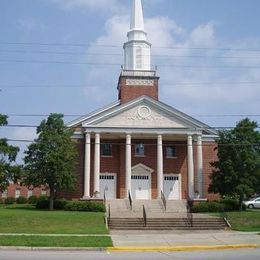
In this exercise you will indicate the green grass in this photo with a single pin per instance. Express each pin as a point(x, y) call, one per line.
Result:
point(39, 241)
point(26, 219)
point(245, 220)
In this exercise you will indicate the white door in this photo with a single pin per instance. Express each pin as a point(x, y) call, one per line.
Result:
point(171, 186)
point(108, 186)
point(141, 186)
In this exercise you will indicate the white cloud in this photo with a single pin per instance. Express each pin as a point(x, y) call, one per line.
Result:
point(111, 5)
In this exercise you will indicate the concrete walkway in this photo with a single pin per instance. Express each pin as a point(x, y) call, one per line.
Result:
point(182, 238)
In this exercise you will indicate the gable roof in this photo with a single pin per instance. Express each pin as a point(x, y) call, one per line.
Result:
point(115, 109)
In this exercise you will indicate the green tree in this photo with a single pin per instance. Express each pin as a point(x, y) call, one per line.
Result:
point(8, 171)
point(236, 172)
point(51, 159)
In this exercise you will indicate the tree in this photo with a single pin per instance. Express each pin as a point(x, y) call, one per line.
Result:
point(51, 159)
point(237, 170)
point(8, 171)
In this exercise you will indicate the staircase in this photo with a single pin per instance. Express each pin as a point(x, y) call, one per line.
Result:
point(157, 218)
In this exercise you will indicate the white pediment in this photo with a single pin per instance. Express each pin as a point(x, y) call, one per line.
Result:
point(143, 116)
point(141, 169)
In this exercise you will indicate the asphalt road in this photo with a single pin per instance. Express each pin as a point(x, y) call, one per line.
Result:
point(248, 254)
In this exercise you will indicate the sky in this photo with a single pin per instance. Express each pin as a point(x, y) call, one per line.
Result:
point(65, 56)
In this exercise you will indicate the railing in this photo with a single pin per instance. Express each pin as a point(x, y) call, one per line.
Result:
point(105, 199)
point(109, 214)
point(144, 216)
point(130, 200)
point(163, 199)
point(189, 211)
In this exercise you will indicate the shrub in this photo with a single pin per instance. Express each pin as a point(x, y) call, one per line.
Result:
point(42, 197)
point(42, 204)
point(208, 207)
point(84, 206)
point(21, 200)
point(232, 204)
point(32, 200)
point(2, 201)
point(60, 203)
point(9, 200)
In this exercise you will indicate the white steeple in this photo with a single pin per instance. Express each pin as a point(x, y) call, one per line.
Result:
point(137, 49)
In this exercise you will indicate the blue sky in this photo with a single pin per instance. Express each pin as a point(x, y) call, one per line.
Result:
point(217, 26)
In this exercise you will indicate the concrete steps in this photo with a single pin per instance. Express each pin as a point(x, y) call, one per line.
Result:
point(167, 224)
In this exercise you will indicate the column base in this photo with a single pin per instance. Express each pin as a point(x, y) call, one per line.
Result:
point(85, 198)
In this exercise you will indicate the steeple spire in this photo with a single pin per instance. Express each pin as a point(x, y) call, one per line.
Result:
point(137, 19)
point(137, 49)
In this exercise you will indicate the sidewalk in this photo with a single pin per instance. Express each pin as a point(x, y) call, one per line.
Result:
point(182, 238)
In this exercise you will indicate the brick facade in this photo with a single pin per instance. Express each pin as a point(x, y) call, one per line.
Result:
point(129, 92)
point(116, 164)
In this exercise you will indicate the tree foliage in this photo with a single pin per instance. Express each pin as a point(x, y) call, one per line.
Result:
point(51, 159)
point(237, 171)
point(8, 171)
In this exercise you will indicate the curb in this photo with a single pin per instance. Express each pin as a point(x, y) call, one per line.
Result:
point(182, 248)
point(24, 248)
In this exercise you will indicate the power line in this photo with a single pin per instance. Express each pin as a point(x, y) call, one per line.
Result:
point(80, 115)
point(120, 55)
point(154, 144)
point(183, 84)
point(120, 46)
point(118, 64)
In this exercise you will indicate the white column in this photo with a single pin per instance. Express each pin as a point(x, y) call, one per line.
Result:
point(159, 166)
point(190, 168)
point(128, 165)
point(87, 166)
point(97, 166)
point(200, 165)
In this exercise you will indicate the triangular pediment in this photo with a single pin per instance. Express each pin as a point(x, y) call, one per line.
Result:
point(142, 113)
point(141, 169)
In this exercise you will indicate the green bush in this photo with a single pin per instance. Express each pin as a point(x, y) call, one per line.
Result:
point(2, 201)
point(42, 197)
point(9, 200)
point(84, 206)
point(21, 200)
point(208, 207)
point(32, 200)
point(42, 204)
point(232, 204)
point(60, 203)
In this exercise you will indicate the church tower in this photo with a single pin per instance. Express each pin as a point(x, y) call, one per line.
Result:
point(137, 78)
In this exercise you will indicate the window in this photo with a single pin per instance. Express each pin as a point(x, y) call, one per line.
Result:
point(44, 192)
point(17, 193)
point(106, 150)
point(139, 150)
point(30, 193)
point(170, 151)
point(4, 194)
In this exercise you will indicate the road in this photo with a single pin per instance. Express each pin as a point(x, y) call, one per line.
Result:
point(248, 254)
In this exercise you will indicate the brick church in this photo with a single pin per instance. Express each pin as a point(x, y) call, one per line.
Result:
point(139, 145)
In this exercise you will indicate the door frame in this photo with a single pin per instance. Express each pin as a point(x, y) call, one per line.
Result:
point(115, 179)
point(180, 182)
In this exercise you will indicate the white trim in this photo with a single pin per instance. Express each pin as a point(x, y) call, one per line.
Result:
point(180, 182)
point(148, 169)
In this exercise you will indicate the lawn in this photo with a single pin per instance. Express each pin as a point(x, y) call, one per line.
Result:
point(245, 220)
point(26, 219)
point(41, 241)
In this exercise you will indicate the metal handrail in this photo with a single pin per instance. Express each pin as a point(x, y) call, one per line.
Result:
point(144, 216)
point(130, 200)
point(105, 199)
point(189, 211)
point(109, 214)
point(163, 199)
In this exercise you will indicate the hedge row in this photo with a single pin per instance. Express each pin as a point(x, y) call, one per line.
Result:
point(22, 200)
point(217, 206)
point(63, 204)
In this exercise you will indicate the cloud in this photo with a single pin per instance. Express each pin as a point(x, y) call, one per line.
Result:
point(111, 5)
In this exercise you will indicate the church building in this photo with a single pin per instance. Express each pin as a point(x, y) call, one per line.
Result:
point(139, 145)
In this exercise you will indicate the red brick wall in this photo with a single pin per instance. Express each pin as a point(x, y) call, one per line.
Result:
point(128, 93)
point(116, 164)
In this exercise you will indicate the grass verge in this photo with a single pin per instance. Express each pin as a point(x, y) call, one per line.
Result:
point(41, 241)
point(26, 219)
point(248, 221)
